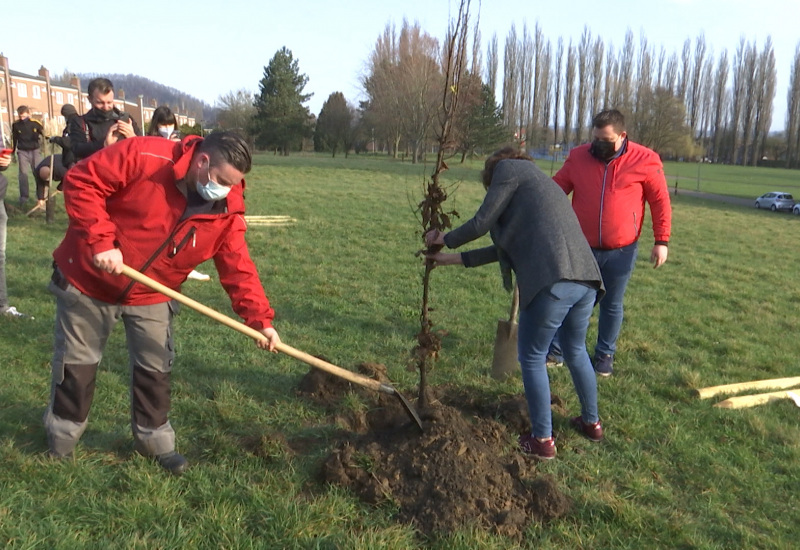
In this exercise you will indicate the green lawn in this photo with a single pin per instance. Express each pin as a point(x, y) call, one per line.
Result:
point(673, 472)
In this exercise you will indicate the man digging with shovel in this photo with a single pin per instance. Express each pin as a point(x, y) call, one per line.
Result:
point(162, 207)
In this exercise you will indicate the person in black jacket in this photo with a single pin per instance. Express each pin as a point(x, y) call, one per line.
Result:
point(69, 112)
point(27, 135)
point(103, 125)
point(42, 176)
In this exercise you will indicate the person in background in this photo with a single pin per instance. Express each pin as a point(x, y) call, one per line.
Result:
point(161, 208)
point(610, 179)
point(535, 234)
point(27, 135)
point(42, 176)
point(103, 125)
point(5, 309)
point(165, 124)
point(69, 112)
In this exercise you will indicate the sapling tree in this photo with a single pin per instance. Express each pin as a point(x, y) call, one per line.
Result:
point(431, 210)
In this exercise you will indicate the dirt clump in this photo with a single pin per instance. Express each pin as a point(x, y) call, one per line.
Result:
point(463, 469)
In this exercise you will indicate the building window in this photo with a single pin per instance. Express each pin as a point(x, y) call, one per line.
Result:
point(37, 92)
point(70, 98)
point(60, 98)
point(22, 89)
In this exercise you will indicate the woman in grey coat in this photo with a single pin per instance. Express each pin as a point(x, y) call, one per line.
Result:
point(536, 234)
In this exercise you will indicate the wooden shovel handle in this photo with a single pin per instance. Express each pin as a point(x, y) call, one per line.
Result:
point(512, 316)
point(253, 333)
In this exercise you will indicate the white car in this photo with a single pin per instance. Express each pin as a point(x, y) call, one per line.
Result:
point(775, 200)
point(796, 209)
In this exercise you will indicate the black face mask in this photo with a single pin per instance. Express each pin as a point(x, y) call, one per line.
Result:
point(106, 115)
point(603, 150)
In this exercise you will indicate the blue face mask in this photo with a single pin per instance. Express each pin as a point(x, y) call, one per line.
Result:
point(212, 191)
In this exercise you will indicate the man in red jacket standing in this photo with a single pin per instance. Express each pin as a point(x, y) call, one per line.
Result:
point(610, 179)
point(162, 208)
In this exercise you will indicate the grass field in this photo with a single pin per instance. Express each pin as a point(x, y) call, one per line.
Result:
point(673, 472)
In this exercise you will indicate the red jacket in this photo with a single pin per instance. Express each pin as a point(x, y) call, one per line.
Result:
point(126, 196)
point(609, 198)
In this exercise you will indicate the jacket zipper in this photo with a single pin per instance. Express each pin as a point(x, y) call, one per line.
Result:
point(602, 200)
point(151, 259)
point(177, 248)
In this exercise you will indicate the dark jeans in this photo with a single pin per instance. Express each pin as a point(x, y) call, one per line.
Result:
point(616, 267)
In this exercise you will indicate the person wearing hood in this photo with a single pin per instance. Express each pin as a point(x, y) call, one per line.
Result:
point(69, 112)
point(103, 125)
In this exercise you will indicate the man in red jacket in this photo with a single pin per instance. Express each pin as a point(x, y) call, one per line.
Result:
point(610, 179)
point(162, 208)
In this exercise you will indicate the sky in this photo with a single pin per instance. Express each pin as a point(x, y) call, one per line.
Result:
point(207, 49)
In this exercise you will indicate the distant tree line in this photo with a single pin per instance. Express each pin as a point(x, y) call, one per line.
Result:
point(690, 104)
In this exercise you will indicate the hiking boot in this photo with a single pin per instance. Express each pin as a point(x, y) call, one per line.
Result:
point(11, 311)
point(543, 450)
point(554, 360)
point(603, 364)
point(593, 432)
point(173, 462)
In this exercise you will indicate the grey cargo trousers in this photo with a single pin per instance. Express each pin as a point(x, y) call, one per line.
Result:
point(82, 328)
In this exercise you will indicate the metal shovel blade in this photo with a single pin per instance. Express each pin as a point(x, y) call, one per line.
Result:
point(505, 361)
point(406, 405)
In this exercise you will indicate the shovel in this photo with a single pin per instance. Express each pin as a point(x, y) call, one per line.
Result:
point(330, 368)
point(505, 360)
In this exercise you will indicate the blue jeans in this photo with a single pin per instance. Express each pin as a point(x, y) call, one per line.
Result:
point(616, 267)
point(567, 305)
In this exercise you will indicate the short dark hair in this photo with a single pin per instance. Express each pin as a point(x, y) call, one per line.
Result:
point(228, 147)
point(505, 153)
point(609, 117)
point(162, 115)
point(102, 85)
point(22, 109)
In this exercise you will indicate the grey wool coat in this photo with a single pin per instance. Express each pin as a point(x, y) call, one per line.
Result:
point(534, 231)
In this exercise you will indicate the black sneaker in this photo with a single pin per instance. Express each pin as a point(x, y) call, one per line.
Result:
point(603, 364)
point(173, 462)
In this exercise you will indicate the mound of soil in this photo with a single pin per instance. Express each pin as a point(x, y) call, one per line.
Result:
point(463, 469)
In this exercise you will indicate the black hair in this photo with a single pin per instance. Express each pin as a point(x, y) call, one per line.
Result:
point(609, 117)
point(227, 147)
point(162, 116)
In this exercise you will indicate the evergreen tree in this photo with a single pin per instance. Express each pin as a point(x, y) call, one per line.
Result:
point(334, 125)
point(483, 129)
point(282, 121)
